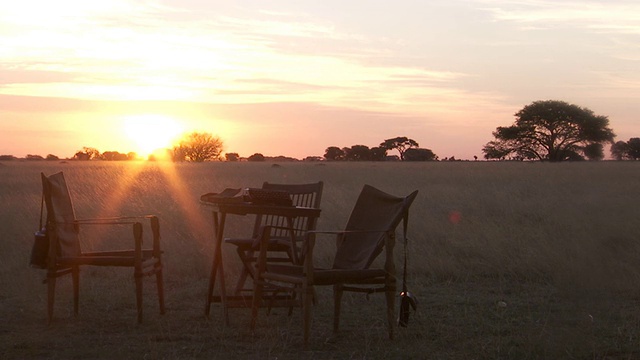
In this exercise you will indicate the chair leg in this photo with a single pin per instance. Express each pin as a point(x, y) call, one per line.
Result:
point(391, 296)
point(51, 294)
point(160, 287)
point(241, 281)
point(75, 275)
point(307, 302)
point(138, 279)
point(337, 303)
point(255, 303)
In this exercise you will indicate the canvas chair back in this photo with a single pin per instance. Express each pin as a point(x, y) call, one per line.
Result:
point(377, 214)
point(60, 212)
point(304, 195)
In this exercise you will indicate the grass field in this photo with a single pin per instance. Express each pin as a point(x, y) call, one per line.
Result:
point(508, 260)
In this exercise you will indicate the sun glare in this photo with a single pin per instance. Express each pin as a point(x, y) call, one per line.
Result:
point(151, 132)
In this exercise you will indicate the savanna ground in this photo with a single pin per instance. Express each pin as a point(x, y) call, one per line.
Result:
point(508, 261)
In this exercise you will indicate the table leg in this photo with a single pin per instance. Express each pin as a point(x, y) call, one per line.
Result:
point(217, 267)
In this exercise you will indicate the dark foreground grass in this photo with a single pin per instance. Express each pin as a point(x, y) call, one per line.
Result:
point(479, 318)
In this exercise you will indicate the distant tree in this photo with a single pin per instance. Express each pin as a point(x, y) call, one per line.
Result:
point(114, 156)
point(619, 150)
point(198, 147)
point(334, 153)
point(51, 157)
point(357, 153)
point(419, 154)
point(33, 157)
point(280, 158)
point(626, 150)
point(401, 143)
point(132, 156)
point(256, 157)
point(312, 158)
point(232, 156)
point(634, 148)
point(378, 153)
point(550, 130)
point(87, 153)
point(7, 157)
point(594, 151)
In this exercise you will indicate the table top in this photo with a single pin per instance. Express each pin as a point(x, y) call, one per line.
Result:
point(245, 208)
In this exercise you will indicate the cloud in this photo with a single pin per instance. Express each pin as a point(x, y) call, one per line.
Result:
point(142, 46)
point(622, 17)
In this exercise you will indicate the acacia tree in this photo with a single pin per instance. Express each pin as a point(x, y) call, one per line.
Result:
point(551, 130)
point(198, 147)
point(401, 143)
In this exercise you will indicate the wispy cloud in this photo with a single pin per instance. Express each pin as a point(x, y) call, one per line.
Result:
point(135, 51)
point(621, 17)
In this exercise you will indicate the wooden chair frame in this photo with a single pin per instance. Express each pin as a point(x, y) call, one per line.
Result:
point(285, 238)
point(63, 259)
point(348, 273)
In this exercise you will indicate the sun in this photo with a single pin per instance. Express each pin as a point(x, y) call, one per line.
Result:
point(151, 132)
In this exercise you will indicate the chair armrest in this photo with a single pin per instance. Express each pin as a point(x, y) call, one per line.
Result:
point(129, 220)
point(342, 232)
point(116, 220)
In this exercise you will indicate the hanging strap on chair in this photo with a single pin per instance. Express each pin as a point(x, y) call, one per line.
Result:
point(405, 221)
point(41, 210)
point(407, 300)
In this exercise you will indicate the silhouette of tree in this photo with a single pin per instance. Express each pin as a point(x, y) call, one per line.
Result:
point(550, 130)
point(256, 157)
point(312, 158)
point(334, 153)
point(626, 150)
point(357, 153)
point(401, 143)
point(87, 153)
point(634, 148)
point(114, 156)
point(198, 147)
point(51, 157)
point(594, 151)
point(419, 154)
point(619, 150)
point(378, 153)
point(232, 156)
point(33, 157)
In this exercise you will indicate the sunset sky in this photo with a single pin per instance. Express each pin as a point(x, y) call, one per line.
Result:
point(292, 77)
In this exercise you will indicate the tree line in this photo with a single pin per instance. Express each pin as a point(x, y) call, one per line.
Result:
point(548, 130)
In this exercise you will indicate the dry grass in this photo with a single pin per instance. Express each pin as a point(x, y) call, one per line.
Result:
point(543, 263)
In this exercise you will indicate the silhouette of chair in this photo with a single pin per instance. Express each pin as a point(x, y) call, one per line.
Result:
point(370, 229)
point(65, 255)
point(284, 239)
